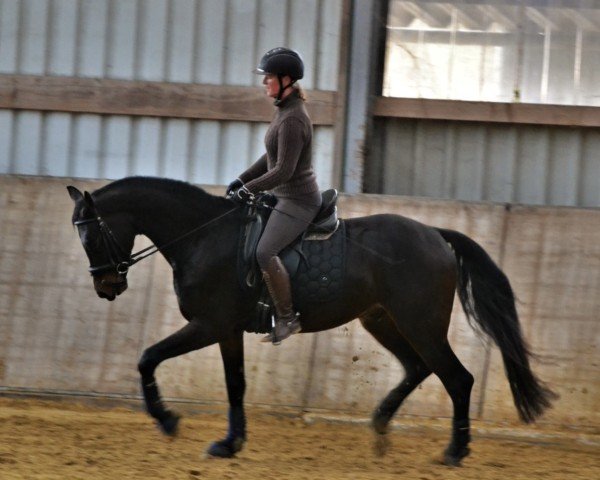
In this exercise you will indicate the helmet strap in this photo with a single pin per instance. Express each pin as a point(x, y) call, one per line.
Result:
point(278, 100)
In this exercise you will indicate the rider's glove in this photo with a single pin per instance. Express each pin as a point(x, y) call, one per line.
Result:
point(232, 187)
point(243, 196)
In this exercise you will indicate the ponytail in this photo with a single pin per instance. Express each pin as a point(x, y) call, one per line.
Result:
point(300, 92)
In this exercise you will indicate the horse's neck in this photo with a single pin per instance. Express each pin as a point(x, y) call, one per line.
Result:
point(164, 219)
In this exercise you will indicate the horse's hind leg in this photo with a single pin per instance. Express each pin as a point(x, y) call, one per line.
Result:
point(458, 383)
point(427, 333)
point(382, 328)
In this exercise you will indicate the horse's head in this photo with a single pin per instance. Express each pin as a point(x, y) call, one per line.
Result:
point(107, 248)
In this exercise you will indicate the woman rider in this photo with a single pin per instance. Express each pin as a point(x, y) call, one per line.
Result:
point(285, 170)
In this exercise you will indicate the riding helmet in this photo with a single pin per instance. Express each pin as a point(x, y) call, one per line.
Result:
point(281, 61)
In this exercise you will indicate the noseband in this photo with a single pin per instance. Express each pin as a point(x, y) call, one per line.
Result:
point(113, 249)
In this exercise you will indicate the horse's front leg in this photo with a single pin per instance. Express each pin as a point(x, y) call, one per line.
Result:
point(232, 351)
point(189, 338)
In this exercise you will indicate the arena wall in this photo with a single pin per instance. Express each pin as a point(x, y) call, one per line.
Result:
point(56, 336)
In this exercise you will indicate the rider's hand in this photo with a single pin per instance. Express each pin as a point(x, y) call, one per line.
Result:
point(232, 187)
point(243, 196)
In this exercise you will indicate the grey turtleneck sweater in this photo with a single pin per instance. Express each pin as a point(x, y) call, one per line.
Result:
point(286, 168)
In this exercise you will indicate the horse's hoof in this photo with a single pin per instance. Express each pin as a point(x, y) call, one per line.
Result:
point(381, 444)
point(380, 424)
point(453, 457)
point(169, 425)
point(225, 448)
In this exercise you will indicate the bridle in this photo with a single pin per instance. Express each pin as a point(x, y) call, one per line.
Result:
point(119, 260)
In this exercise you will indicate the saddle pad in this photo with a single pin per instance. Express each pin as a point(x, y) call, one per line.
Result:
point(321, 271)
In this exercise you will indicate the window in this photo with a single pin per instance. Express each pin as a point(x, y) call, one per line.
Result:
point(532, 51)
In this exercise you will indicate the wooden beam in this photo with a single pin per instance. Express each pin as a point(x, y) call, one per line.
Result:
point(530, 113)
point(154, 99)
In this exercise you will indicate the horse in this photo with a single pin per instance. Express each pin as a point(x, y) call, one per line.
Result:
point(400, 281)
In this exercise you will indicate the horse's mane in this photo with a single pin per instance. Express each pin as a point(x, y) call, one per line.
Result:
point(176, 189)
point(144, 189)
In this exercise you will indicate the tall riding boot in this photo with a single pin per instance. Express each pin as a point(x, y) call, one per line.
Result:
point(278, 283)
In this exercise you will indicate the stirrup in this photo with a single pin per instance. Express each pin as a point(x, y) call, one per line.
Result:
point(286, 329)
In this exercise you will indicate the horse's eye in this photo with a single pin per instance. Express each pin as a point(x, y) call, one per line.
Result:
point(90, 241)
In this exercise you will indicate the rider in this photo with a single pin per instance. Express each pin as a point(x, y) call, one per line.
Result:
point(285, 170)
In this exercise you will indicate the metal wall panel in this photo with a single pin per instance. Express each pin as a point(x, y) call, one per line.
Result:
point(202, 41)
point(112, 146)
point(536, 165)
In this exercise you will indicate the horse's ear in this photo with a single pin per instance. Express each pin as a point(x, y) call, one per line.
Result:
point(89, 201)
point(74, 193)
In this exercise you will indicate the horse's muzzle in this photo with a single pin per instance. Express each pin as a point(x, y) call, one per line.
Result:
point(110, 285)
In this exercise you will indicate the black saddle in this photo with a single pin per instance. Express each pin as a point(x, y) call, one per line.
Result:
point(298, 258)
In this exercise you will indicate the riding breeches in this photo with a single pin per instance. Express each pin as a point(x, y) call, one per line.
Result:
point(289, 219)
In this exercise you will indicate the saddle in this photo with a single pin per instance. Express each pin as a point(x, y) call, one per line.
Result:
point(317, 254)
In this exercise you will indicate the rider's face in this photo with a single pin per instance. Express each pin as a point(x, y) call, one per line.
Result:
point(272, 84)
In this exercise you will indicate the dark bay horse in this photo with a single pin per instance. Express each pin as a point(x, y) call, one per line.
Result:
point(403, 296)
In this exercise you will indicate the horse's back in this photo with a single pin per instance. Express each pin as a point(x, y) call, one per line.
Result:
point(399, 238)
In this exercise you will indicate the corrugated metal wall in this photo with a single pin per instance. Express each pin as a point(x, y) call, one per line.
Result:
point(536, 165)
point(197, 41)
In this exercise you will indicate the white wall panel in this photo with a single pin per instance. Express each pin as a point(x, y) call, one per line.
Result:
point(28, 142)
point(57, 143)
point(501, 162)
point(182, 28)
point(330, 24)
point(235, 144)
point(121, 36)
point(563, 168)
point(112, 146)
point(92, 41)
point(86, 146)
point(205, 41)
point(241, 34)
point(146, 146)
point(589, 192)
point(304, 35)
point(116, 143)
point(6, 139)
point(530, 179)
point(257, 146)
point(537, 165)
point(469, 157)
point(205, 153)
point(428, 177)
point(63, 29)
point(32, 36)
point(212, 50)
point(271, 28)
point(152, 40)
point(176, 151)
point(323, 147)
point(9, 36)
point(202, 41)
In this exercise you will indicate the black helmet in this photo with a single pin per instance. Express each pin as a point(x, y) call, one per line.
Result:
point(281, 61)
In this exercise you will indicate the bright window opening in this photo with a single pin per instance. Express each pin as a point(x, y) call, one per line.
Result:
point(532, 51)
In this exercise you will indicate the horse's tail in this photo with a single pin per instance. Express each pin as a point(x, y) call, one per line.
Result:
point(489, 303)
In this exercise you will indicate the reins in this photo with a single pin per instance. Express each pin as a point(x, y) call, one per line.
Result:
point(138, 256)
point(113, 247)
point(121, 262)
